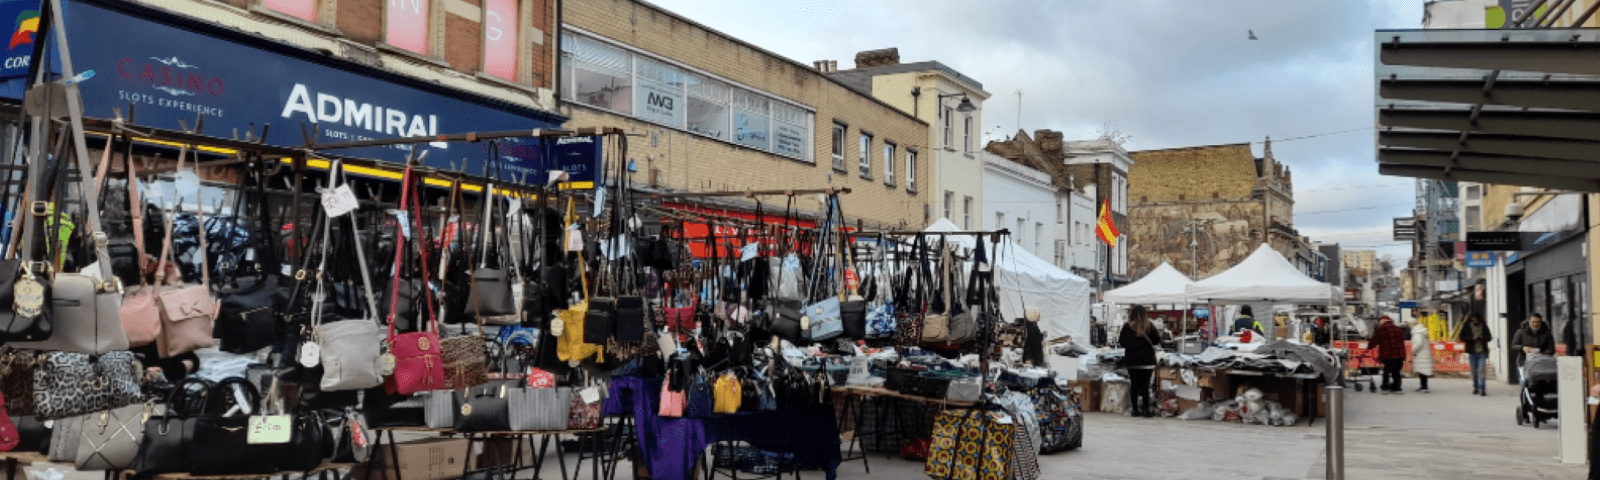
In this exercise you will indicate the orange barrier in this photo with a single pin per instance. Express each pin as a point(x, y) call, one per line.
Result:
point(1447, 356)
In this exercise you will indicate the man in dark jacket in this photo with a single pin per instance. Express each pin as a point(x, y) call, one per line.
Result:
point(1390, 341)
point(1246, 321)
point(1533, 337)
point(1475, 337)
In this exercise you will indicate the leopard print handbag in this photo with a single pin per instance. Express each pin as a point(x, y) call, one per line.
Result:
point(16, 380)
point(66, 384)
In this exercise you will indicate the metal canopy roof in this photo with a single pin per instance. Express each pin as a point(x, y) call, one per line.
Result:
point(1517, 107)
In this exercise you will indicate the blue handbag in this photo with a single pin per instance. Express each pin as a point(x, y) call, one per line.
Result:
point(825, 320)
point(880, 321)
point(701, 402)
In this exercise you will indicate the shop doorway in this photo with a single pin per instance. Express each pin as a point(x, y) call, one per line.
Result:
point(1512, 319)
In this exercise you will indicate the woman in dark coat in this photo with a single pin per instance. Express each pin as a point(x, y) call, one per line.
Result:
point(1140, 340)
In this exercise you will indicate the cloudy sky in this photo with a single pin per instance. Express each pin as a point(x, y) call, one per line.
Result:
point(1168, 73)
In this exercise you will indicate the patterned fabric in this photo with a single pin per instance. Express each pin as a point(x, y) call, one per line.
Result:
point(1024, 458)
point(1390, 340)
point(881, 321)
point(583, 415)
point(16, 381)
point(466, 362)
point(968, 446)
point(908, 327)
point(8, 431)
point(66, 384)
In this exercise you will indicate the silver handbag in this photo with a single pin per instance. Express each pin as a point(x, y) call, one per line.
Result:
point(85, 315)
point(64, 439)
point(441, 408)
point(540, 409)
point(110, 440)
point(964, 390)
point(350, 348)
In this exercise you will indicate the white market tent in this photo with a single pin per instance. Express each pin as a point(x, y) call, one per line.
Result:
point(1163, 286)
point(1264, 277)
point(1024, 279)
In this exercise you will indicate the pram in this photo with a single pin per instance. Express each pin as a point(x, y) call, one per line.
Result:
point(1538, 394)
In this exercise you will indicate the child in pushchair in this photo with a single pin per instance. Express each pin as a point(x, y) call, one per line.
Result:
point(1538, 395)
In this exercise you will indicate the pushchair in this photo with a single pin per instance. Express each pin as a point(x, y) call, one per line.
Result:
point(1538, 396)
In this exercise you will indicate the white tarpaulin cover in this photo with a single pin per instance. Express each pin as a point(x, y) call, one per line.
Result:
point(1024, 279)
point(1163, 286)
point(1263, 277)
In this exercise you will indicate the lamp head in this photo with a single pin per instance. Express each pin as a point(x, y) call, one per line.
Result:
point(966, 105)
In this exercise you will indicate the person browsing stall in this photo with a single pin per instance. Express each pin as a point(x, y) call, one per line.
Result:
point(1391, 343)
point(1140, 340)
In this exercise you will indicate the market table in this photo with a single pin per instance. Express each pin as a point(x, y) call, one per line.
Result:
point(516, 464)
point(855, 413)
point(18, 459)
point(321, 471)
point(671, 445)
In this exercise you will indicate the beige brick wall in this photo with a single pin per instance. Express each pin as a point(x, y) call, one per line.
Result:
point(1218, 171)
point(691, 162)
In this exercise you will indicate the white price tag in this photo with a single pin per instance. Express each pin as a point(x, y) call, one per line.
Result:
point(310, 355)
point(574, 241)
point(269, 429)
point(590, 395)
point(749, 251)
point(404, 219)
point(339, 201)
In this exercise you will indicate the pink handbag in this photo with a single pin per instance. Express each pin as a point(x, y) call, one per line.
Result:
point(418, 365)
point(681, 317)
point(141, 317)
point(672, 402)
point(187, 311)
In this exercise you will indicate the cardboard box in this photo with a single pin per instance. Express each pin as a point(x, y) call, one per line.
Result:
point(1088, 394)
point(1168, 373)
point(427, 459)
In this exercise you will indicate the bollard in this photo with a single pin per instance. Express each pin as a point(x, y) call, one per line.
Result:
point(1335, 425)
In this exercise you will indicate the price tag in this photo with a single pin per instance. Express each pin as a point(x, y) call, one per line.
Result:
point(574, 241)
point(557, 326)
point(310, 355)
point(269, 429)
point(339, 201)
point(749, 251)
point(590, 395)
point(403, 218)
point(386, 364)
point(358, 432)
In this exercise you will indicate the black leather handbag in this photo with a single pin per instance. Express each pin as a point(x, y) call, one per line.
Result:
point(785, 323)
point(167, 437)
point(631, 321)
point(310, 443)
point(384, 410)
point(247, 316)
point(599, 321)
point(220, 445)
point(486, 408)
point(853, 313)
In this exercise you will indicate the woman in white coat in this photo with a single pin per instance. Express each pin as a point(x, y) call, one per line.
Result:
point(1421, 355)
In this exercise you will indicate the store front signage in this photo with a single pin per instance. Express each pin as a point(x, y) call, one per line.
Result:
point(170, 72)
point(23, 19)
point(659, 103)
point(1481, 259)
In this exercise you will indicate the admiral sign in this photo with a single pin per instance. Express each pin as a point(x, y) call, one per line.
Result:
point(170, 72)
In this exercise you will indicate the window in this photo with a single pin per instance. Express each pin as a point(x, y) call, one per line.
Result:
point(1022, 224)
point(1038, 236)
point(405, 25)
point(966, 213)
point(838, 146)
point(949, 201)
point(301, 9)
point(751, 123)
point(1473, 193)
point(708, 112)
point(966, 136)
point(999, 220)
point(600, 76)
point(911, 170)
point(1474, 218)
point(1061, 254)
point(947, 131)
point(1059, 213)
point(865, 161)
point(791, 127)
point(658, 95)
point(888, 163)
point(500, 38)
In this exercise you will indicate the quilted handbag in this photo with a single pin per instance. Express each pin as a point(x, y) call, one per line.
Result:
point(486, 408)
point(110, 440)
point(16, 381)
point(540, 409)
point(700, 401)
point(728, 394)
point(583, 415)
point(825, 321)
point(672, 402)
point(10, 438)
point(67, 384)
point(418, 366)
point(221, 445)
point(970, 445)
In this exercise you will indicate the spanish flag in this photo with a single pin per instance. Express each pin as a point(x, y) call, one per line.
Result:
point(27, 25)
point(1107, 229)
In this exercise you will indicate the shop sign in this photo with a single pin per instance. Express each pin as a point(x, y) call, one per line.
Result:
point(1352, 294)
point(500, 38)
point(1481, 259)
point(659, 103)
point(1405, 229)
point(23, 18)
point(791, 140)
point(170, 73)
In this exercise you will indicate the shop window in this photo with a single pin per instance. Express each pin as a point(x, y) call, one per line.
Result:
point(911, 170)
point(751, 124)
point(949, 203)
point(790, 127)
point(888, 163)
point(600, 76)
point(658, 95)
point(501, 41)
point(865, 158)
point(406, 23)
point(838, 146)
point(966, 213)
point(301, 9)
point(947, 130)
point(708, 106)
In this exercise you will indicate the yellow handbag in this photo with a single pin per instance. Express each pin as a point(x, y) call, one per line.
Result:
point(727, 394)
point(570, 345)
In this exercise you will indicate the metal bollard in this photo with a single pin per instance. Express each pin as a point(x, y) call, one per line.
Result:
point(1335, 425)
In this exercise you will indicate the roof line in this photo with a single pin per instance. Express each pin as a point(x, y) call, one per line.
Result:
point(1194, 147)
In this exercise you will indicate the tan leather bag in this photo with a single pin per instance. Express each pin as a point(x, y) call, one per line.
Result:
point(187, 311)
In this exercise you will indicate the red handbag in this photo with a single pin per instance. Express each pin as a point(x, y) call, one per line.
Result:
point(418, 365)
point(681, 317)
point(9, 438)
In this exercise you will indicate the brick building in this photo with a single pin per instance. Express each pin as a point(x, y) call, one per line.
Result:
point(1221, 197)
point(1097, 167)
point(723, 114)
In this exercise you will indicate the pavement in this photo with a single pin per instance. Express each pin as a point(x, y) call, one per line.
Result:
point(1446, 434)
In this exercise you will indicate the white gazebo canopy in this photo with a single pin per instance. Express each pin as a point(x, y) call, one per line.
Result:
point(1263, 277)
point(1163, 286)
point(1025, 280)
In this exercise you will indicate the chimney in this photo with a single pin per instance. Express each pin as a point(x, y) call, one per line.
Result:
point(1050, 141)
point(826, 66)
point(878, 58)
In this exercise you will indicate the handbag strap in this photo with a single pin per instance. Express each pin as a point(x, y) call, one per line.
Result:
point(414, 215)
point(361, 254)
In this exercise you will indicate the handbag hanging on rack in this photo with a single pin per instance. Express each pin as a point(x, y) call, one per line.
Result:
point(418, 366)
point(68, 384)
point(348, 350)
point(569, 324)
point(187, 311)
point(491, 287)
point(248, 309)
point(466, 361)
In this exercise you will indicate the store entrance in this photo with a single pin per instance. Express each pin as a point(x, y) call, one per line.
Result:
point(1512, 318)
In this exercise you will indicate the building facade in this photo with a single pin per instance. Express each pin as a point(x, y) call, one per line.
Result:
point(1204, 209)
point(1025, 201)
point(1097, 168)
point(722, 114)
point(952, 104)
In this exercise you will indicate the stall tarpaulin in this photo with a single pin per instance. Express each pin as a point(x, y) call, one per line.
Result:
point(1163, 286)
point(1264, 277)
point(1024, 280)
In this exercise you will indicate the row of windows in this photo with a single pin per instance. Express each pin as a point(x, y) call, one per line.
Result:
point(864, 162)
point(407, 23)
point(966, 209)
point(634, 84)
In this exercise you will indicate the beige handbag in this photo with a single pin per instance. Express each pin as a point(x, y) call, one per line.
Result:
point(141, 316)
point(187, 311)
point(936, 327)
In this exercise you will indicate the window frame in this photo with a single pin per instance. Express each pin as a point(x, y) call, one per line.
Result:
point(435, 14)
point(324, 15)
point(864, 156)
point(966, 136)
point(966, 212)
point(949, 208)
point(841, 132)
point(523, 68)
point(911, 170)
point(889, 156)
point(949, 132)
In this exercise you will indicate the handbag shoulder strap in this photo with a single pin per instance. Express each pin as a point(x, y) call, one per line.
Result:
point(397, 268)
point(201, 231)
point(361, 254)
point(486, 226)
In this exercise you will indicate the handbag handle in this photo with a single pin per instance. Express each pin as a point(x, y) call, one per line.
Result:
point(414, 215)
point(361, 254)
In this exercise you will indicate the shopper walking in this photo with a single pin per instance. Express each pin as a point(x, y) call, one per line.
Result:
point(1533, 337)
point(1391, 344)
point(1140, 340)
point(1475, 338)
point(1421, 355)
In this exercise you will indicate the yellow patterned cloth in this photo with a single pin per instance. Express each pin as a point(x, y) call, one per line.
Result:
point(570, 345)
point(970, 445)
point(727, 394)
